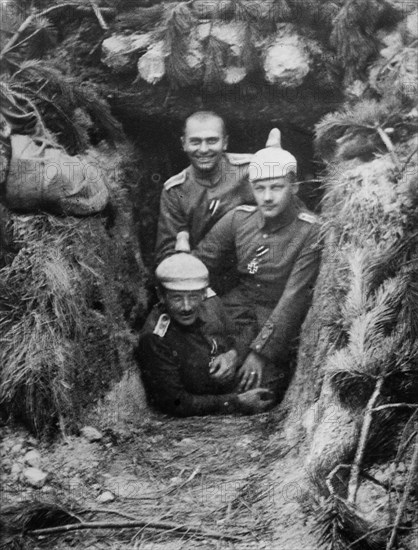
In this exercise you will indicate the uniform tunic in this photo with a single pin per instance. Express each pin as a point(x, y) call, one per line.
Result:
point(174, 362)
point(189, 203)
point(277, 265)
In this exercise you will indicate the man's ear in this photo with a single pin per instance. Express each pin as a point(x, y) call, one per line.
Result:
point(160, 293)
point(182, 141)
point(226, 139)
point(293, 182)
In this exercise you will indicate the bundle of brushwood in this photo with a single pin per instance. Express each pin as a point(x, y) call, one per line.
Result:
point(71, 289)
point(358, 363)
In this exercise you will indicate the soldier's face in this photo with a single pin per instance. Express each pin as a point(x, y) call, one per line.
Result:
point(274, 195)
point(204, 142)
point(183, 306)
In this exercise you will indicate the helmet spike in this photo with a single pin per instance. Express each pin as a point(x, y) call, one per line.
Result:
point(274, 139)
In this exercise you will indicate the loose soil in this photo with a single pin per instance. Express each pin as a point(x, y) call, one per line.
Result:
point(231, 475)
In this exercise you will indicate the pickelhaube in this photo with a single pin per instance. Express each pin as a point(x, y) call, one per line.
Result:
point(273, 161)
point(182, 271)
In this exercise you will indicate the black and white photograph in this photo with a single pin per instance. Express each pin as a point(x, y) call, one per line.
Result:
point(208, 275)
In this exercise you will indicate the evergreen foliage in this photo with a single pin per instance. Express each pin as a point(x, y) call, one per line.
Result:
point(48, 93)
point(178, 23)
point(339, 526)
point(354, 29)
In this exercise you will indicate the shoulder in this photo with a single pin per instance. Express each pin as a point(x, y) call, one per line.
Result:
point(245, 209)
point(229, 220)
point(308, 217)
point(310, 227)
point(239, 159)
point(178, 179)
point(157, 323)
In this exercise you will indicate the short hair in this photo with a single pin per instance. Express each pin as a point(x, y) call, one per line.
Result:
point(202, 116)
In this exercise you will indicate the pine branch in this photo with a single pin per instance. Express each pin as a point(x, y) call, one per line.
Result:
point(353, 484)
point(175, 527)
point(179, 22)
point(215, 55)
point(29, 21)
point(364, 117)
point(389, 145)
point(395, 406)
point(413, 468)
point(139, 18)
point(97, 12)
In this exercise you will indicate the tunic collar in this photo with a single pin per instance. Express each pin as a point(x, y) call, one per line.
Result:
point(272, 225)
point(215, 178)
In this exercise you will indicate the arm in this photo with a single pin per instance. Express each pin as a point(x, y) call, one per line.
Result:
point(275, 338)
point(171, 221)
point(217, 243)
point(165, 389)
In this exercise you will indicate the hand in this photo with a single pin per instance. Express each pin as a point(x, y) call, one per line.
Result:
point(255, 401)
point(250, 372)
point(222, 367)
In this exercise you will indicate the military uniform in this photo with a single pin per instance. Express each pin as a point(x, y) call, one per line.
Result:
point(174, 362)
point(277, 264)
point(189, 203)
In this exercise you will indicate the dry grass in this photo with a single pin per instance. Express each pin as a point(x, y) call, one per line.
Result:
point(69, 295)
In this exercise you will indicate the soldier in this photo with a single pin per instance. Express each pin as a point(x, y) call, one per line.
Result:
point(187, 355)
point(278, 255)
point(214, 183)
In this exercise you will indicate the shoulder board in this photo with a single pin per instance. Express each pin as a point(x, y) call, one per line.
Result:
point(175, 180)
point(308, 217)
point(238, 159)
point(246, 208)
point(162, 325)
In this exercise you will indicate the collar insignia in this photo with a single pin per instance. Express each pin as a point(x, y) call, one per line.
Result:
point(162, 325)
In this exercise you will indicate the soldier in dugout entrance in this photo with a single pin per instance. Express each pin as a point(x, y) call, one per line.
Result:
point(214, 183)
point(277, 250)
point(187, 353)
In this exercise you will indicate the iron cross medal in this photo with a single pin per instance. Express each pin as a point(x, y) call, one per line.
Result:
point(253, 266)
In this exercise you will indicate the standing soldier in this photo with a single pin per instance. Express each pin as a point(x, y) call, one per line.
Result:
point(277, 254)
point(214, 183)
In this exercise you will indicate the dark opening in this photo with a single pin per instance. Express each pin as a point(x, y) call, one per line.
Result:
point(160, 156)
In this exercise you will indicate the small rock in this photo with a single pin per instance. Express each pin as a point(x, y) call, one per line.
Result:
point(16, 448)
point(186, 441)
point(91, 433)
point(35, 477)
point(16, 470)
point(107, 496)
point(33, 458)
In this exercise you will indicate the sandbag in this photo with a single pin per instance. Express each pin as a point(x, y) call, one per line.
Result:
point(44, 177)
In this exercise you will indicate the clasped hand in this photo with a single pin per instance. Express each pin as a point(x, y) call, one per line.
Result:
point(250, 373)
point(223, 366)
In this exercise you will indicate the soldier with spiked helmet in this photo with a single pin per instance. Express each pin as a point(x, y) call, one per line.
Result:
point(187, 354)
point(277, 250)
